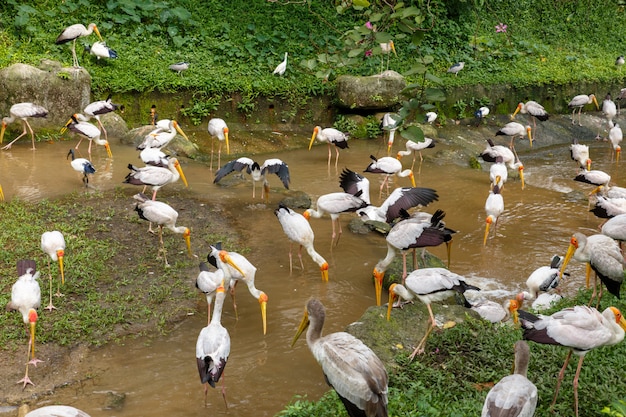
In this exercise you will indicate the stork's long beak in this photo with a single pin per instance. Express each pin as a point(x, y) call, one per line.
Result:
point(187, 237)
point(324, 269)
point(303, 325)
point(620, 319)
point(519, 107)
point(595, 102)
point(412, 177)
point(226, 140)
point(225, 257)
point(378, 284)
point(60, 255)
point(4, 127)
point(392, 297)
point(521, 175)
point(618, 152)
point(530, 135)
point(32, 322)
point(313, 138)
point(449, 249)
point(488, 222)
point(570, 252)
point(589, 163)
point(108, 148)
point(181, 173)
point(95, 29)
point(393, 47)
point(1, 194)
point(64, 128)
point(263, 303)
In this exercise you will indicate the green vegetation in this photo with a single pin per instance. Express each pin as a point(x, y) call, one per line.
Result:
point(461, 364)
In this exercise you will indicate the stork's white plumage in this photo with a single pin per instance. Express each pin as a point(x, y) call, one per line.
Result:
point(53, 411)
point(86, 130)
point(163, 215)
point(609, 110)
point(22, 111)
point(493, 151)
point(413, 147)
point(580, 329)
point(593, 177)
point(161, 136)
point(154, 156)
point(208, 281)
point(26, 298)
point(82, 165)
point(414, 232)
point(388, 166)
point(156, 177)
point(73, 32)
point(534, 109)
point(428, 285)
point(431, 116)
point(580, 154)
point(498, 173)
point(353, 370)
point(514, 395)
point(53, 244)
point(237, 268)
point(606, 207)
point(616, 135)
point(282, 67)
point(213, 347)
point(299, 231)
point(101, 50)
point(544, 278)
point(217, 128)
point(335, 204)
point(494, 207)
point(600, 253)
point(615, 228)
point(390, 125)
point(579, 101)
point(331, 136)
point(514, 129)
point(95, 110)
point(257, 172)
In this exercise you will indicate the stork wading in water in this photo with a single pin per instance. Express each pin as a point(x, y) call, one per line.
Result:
point(389, 125)
point(82, 166)
point(428, 285)
point(73, 32)
point(609, 111)
point(257, 172)
point(86, 130)
point(513, 130)
point(213, 348)
point(156, 177)
point(53, 245)
point(388, 166)
point(616, 135)
point(580, 154)
point(333, 137)
point(299, 231)
point(413, 147)
point(354, 371)
point(494, 207)
point(95, 110)
point(163, 215)
point(509, 158)
point(580, 101)
point(217, 128)
point(26, 298)
point(579, 328)
point(22, 111)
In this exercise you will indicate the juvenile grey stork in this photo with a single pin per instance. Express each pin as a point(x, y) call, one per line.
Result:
point(333, 137)
point(95, 110)
point(514, 395)
point(155, 176)
point(82, 166)
point(22, 111)
point(428, 285)
point(513, 130)
point(580, 101)
point(86, 130)
point(299, 231)
point(26, 298)
point(73, 32)
point(213, 348)
point(53, 245)
point(412, 232)
point(257, 172)
point(350, 367)
point(578, 328)
point(163, 215)
point(217, 128)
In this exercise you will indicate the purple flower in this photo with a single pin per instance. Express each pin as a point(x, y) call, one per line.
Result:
point(501, 27)
point(369, 25)
point(368, 53)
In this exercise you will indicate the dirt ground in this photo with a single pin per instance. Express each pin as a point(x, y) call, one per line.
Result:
point(67, 365)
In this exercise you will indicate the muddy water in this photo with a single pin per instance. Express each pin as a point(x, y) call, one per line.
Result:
point(159, 376)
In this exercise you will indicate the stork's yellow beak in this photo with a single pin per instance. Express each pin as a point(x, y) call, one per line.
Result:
point(225, 257)
point(179, 129)
point(595, 102)
point(263, 303)
point(187, 237)
point(519, 107)
point(4, 127)
point(303, 325)
point(181, 173)
point(60, 255)
point(313, 137)
point(392, 297)
point(378, 284)
point(324, 269)
point(226, 140)
point(95, 29)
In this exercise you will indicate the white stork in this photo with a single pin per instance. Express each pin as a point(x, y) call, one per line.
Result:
point(22, 111)
point(386, 48)
point(331, 136)
point(164, 216)
point(609, 110)
point(282, 67)
point(86, 130)
point(95, 110)
point(580, 329)
point(208, 281)
point(237, 268)
point(428, 285)
point(606, 207)
point(579, 101)
point(257, 172)
point(431, 116)
point(494, 207)
point(156, 177)
point(218, 129)
point(213, 348)
point(514, 395)
point(389, 166)
point(353, 370)
point(615, 228)
point(161, 136)
point(390, 125)
point(580, 154)
point(26, 298)
point(82, 165)
point(299, 231)
point(413, 147)
point(594, 177)
point(73, 32)
point(509, 158)
point(514, 129)
point(101, 50)
point(53, 244)
point(616, 135)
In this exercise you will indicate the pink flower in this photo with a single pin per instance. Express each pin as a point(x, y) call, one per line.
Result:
point(501, 27)
point(369, 25)
point(368, 53)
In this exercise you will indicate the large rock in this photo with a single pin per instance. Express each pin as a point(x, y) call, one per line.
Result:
point(62, 91)
point(370, 93)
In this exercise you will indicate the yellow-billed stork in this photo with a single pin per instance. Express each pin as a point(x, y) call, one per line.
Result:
point(22, 111)
point(389, 125)
point(161, 136)
point(580, 101)
point(353, 370)
point(534, 109)
point(257, 172)
point(494, 207)
point(388, 166)
point(331, 136)
point(616, 135)
point(218, 129)
point(155, 176)
point(413, 147)
point(513, 130)
point(580, 154)
point(86, 130)
point(95, 110)
point(53, 244)
point(509, 158)
point(73, 32)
